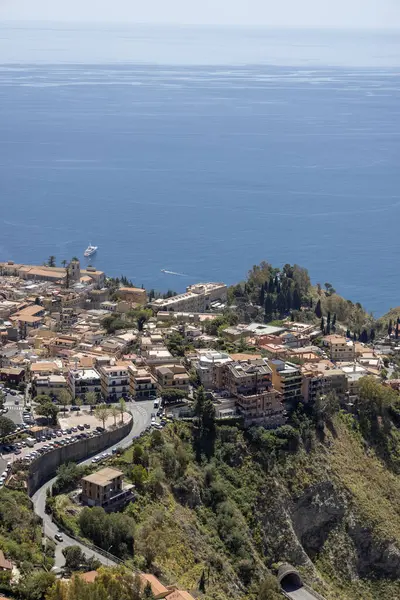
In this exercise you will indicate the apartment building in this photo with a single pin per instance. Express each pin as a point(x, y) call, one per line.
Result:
point(114, 381)
point(172, 376)
point(50, 385)
point(142, 383)
point(250, 382)
point(287, 379)
point(207, 368)
point(133, 294)
point(340, 349)
point(82, 381)
point(105, 488)
point(197, 298)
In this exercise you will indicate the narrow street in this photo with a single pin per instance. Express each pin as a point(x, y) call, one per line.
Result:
point(141, 412)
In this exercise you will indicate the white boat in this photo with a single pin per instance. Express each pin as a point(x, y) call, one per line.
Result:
point(90, 250)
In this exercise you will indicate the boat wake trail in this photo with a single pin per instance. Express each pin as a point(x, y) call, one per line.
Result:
point(173, 273)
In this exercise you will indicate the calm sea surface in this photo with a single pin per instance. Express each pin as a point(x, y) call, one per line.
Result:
point(168, 154)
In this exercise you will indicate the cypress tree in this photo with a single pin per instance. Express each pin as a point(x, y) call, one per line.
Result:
point(202, 583)
point(372, 335)
point(390, 328)
point(262, 295)
point(328, 319)
point(271, 285)
point(268, 307)
point(397, 330)
point(281, 303)
point(296, 301)
point(322, 326)
point(334, 320)
point(318, 310)
point(348, 334)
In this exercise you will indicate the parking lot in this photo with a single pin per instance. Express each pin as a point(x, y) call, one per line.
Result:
point(75, 418)
point(73, 427)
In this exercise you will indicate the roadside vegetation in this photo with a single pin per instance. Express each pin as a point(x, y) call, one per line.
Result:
point(217, 507)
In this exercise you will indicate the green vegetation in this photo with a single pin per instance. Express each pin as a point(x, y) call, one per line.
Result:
point(102, 412)
point(133, 319)
point(46, 408)
point(111, 584)
point(213, 499)
point(75, 560)
point(112, 532)
point(271, 294)
point(21, 542)
point(6, 427)
point(68, 477)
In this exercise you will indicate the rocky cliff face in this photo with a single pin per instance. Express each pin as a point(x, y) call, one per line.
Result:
point(324, 520)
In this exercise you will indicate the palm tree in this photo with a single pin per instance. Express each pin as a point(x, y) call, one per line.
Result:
point(91, 399)
point(115, 411)
point(101, 413)
point(52, 261)
point(122, 408)
point(64, 263)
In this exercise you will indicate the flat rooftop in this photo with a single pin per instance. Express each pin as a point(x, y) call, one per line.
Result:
point(103, 477)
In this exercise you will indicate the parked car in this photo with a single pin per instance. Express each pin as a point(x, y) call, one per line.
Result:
point(86, 426)
point(17, 451)
point(100, 429)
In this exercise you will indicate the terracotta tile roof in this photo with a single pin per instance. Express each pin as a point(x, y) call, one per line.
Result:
point(89, 577)
point(4, 563)
point(159, 590)
point(179, 595)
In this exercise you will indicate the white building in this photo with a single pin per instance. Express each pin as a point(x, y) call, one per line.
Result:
point(81, 381)
point(114, 381)
point(197, 298)
point(206, 367)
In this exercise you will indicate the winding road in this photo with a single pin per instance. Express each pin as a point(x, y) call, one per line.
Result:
point(141, 412)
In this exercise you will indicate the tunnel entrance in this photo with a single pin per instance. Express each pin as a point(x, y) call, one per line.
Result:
point(291, 582)
point(289, 578)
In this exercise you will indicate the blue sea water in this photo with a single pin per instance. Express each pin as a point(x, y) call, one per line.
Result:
point(175, 156)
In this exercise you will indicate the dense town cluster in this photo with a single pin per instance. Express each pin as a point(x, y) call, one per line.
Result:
point(71, 337)
point(65, 329)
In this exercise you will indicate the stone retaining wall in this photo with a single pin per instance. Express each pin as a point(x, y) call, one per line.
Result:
point(45, 467)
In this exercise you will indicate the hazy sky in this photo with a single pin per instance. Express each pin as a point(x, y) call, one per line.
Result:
point(291, 13)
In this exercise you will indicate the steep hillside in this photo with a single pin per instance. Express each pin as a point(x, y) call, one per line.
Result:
point(329, 506)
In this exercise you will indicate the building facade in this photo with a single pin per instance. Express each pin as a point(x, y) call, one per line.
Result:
point(82, 381)
point(105, 488)
point(197, 298)
point(114, 382)
point(287, 379)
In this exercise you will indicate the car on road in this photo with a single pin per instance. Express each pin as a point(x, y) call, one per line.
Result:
point(95, 459)
point(59, 537)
